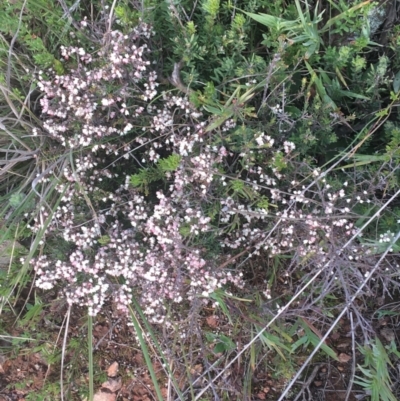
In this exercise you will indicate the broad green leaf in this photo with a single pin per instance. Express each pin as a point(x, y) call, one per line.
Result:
point(214, 110)
point(396, 82)
point(293, 111)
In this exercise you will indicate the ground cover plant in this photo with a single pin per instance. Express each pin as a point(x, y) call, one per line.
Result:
point(207, 193)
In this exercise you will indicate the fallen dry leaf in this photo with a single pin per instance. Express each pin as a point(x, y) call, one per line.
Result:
point(212, 321)
point(2, 360)
point(343, 345)
point(112, 371)
point(110, 388)
point(112, 385)
point(103, 396)
point(344, 358)
point(100, 330)
point(196, 370)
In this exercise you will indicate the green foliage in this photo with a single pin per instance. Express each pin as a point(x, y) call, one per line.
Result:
point(16, 199)
point(211, 8)
point(127, 17)
point(39, 31)
point(104, 240)
point(375, 378)
point(33, 314)
point(392, 139)
point(308, 338)
point(219, 296)
point(169, 164)
point(238, 188)
point(303, 30)
point(275, 343)
point(50, 392)
point(221, 342)
point(146, 176)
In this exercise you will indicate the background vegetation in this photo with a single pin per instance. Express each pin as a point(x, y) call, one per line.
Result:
point(207, 191)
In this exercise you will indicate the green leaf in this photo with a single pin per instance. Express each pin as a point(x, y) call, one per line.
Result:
point(218, 296)
point(301, 341)
point(273, 342)
point(293, 111)
point(344, 14)
point(104, 240)
point(353, 95)
point(228, 113)
point(361, 160)
point(320, 88)
point(268, 20)
point(315, 340)
point(218, 111)
point(16, 199)
point(33, 312)
point(137, 180)
point(396, 82)
point(225, 344)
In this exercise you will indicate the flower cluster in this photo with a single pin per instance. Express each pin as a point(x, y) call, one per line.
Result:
point(79, 108)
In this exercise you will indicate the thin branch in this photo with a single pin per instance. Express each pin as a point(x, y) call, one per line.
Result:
point(345, 309)
point(64, 346)
point(297, 295)
point(353, 364)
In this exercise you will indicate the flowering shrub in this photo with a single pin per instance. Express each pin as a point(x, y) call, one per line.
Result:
point(157, 203)
point(140, 245)
point(203, 164)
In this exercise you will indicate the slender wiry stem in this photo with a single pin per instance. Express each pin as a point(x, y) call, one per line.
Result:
point(90, 354)
point(64, 346)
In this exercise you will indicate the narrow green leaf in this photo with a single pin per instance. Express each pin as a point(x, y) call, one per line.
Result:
point(362, 160)
point(268, 20)
point(315, 340)
point(157, 346)
point(146, 355)
point(301, 341)
point(320, 88)
point(353, 95)
point(218, 296)
point(217, 122)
